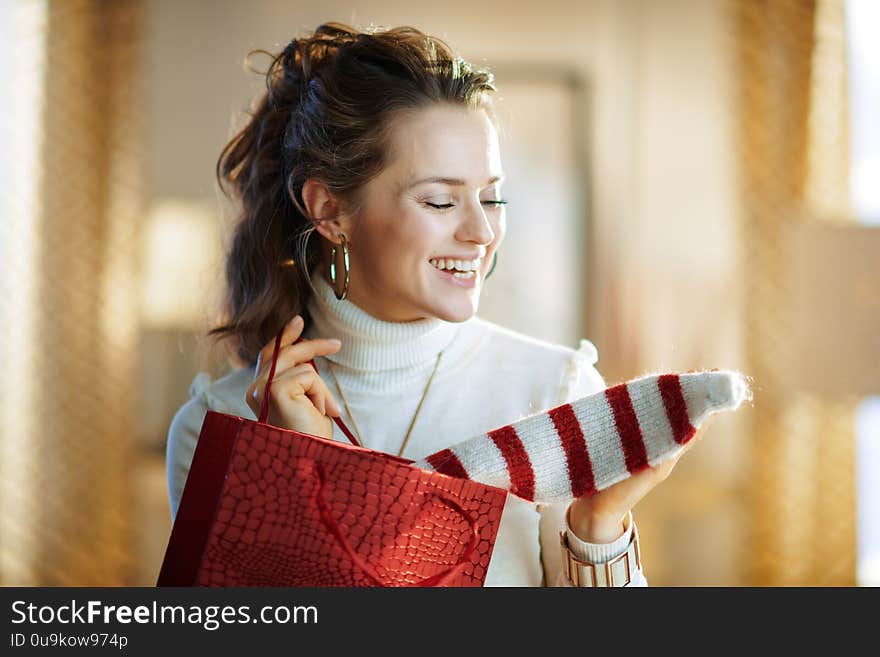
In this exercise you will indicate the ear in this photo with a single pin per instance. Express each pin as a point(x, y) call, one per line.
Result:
point(324, 209)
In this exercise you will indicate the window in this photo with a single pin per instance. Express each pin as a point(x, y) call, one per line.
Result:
point(862, 17)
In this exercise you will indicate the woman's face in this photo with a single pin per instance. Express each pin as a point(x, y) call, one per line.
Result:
point(431, 212)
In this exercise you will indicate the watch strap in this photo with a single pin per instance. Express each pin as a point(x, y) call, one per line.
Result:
point(615, 572)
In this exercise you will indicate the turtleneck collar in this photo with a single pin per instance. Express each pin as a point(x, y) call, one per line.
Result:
point(371, 344)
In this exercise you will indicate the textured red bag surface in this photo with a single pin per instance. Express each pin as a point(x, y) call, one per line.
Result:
point(266, 506)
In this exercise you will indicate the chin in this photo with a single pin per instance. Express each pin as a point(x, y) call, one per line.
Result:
point(460, 312)
point(449, 303)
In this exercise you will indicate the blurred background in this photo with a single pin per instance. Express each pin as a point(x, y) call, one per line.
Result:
point(698, 181)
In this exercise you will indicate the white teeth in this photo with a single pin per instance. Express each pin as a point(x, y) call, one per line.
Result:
point(458, 265)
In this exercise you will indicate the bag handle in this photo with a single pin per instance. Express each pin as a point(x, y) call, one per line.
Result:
point(435, 580)
point(264, 407)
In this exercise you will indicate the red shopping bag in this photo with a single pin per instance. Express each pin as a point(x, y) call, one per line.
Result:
point(267, 506)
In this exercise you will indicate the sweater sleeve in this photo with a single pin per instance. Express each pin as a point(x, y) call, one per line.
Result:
point(580, 379)
point(183, 434)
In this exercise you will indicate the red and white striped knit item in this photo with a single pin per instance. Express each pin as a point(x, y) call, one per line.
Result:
point(582, 447)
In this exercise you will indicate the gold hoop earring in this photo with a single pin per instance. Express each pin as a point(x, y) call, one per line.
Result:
point(345, 264)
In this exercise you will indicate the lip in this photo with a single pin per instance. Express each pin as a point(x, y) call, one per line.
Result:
point(466, 283)
point(470, 256)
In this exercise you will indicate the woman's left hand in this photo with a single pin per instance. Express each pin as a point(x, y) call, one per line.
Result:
point(598, 518)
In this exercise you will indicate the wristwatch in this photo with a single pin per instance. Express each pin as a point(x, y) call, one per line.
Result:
point(616, 572)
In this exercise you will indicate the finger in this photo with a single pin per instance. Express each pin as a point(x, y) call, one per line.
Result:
point(302, 380)
point(306, 350)
point(290, 358)
point(283, 372)
point(329, 405)
point(257, 389)
point(311, 385)
point(292, 331)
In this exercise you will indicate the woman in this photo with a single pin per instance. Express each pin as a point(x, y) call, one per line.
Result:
point(385, 145)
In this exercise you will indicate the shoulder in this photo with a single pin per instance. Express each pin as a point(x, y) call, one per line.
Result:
point(502, 337)
point(571, 372)
point(225, 395)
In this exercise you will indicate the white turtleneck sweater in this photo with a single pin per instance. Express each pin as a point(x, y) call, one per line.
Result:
point(488, 376)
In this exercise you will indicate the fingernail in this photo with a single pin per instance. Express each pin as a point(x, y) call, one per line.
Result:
point(335, 342)
point(295, 319)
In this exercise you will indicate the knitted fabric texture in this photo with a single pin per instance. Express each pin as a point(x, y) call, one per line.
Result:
point(589, 444)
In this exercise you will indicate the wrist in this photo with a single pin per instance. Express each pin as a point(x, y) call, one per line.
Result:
point(605, 564)
point(592, 527)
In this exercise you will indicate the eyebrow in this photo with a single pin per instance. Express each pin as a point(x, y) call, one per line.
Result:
point(455, 182)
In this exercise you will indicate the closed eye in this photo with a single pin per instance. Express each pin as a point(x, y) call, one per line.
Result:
point(444, 206)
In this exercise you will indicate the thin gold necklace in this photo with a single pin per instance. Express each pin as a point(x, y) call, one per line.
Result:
point(415, 415)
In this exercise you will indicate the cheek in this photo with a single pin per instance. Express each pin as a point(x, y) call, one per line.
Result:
point(395, 245)
point(417, 238)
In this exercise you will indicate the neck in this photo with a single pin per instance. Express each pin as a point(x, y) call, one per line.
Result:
point(372, 309)
point(370, 343)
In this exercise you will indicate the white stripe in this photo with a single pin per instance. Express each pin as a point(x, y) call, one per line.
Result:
point(711, 392)
point(483, 461)
point(603, 444)
point(656, 431)
point(696, 396)
point(546, 454)
point(425, 465)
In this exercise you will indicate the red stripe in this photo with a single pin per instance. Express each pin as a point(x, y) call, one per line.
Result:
point(676, 408)
point(627, 427)
point(522, 477)
point(446, 462)
point(580, 469)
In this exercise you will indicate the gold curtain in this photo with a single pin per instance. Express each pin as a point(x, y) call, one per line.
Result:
point(794, 165)
point(65, 495)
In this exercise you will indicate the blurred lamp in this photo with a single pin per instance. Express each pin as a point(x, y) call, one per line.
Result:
point(180, 257)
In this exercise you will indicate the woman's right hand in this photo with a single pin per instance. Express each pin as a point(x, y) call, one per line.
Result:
point(298, 399)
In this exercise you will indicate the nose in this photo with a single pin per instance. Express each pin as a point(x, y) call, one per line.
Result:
point(475, 226)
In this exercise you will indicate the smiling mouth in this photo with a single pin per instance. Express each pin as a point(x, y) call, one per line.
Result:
point(458, 268)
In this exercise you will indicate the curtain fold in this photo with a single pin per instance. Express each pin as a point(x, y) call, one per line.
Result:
point(67, 504)
point(794, 167)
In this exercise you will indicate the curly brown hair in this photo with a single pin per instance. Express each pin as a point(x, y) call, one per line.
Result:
point(328, 111)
